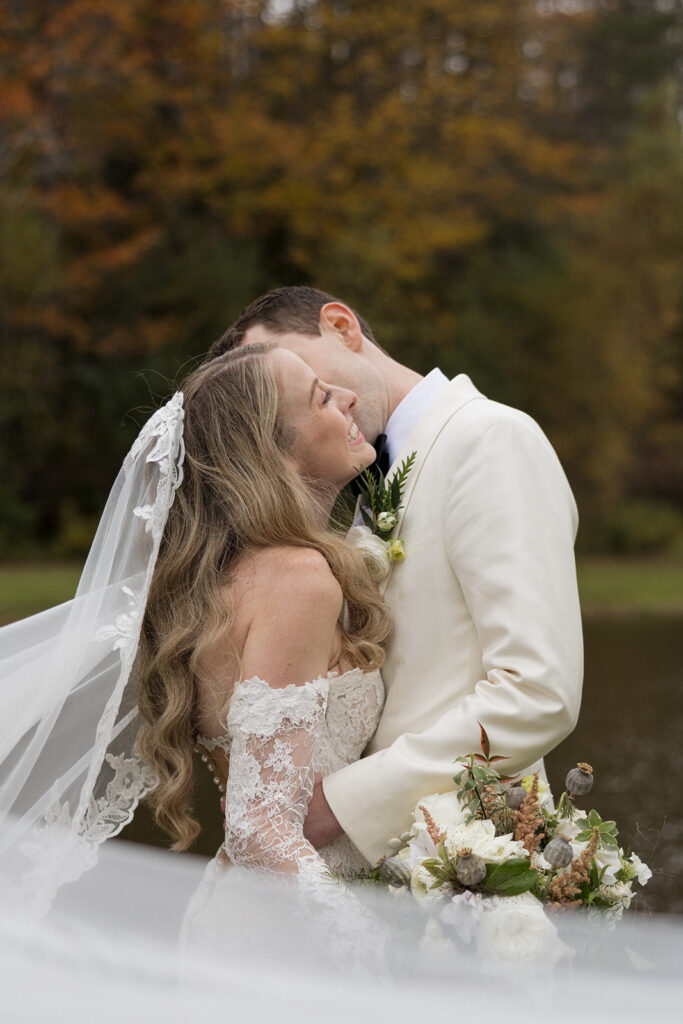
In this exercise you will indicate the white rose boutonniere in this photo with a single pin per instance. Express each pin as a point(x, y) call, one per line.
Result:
point(380, 503)
point(374, 551)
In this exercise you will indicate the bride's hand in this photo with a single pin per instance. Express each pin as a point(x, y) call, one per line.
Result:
point(320, 826)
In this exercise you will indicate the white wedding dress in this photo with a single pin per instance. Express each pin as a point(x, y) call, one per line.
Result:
point(277, 740)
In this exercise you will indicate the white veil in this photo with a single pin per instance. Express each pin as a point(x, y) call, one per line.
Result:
point(69, 775)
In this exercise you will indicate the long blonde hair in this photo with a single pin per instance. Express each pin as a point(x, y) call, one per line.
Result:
point(239, 492)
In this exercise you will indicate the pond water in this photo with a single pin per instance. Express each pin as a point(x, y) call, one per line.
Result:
point(630, 731)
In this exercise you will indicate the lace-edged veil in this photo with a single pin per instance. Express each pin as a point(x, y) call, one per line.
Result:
point(69, 774)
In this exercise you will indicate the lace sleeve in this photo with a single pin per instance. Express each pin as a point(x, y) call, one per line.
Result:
point(270, 782)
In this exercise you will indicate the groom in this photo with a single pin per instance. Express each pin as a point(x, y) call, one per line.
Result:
point(485, 604)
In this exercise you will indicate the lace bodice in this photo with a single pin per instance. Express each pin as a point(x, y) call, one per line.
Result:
point(277, 740)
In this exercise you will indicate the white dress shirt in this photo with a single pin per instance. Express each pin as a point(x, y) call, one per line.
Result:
point(410, 411)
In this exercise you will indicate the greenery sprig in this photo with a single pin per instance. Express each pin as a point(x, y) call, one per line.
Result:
point(380, 502)
point(480, 785)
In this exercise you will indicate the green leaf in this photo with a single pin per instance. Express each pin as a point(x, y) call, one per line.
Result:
point(438, 871)
point(508, 869)
point(395, 493)
point(443, 854)
point(520, 884)
point(367, 519)
point(511, 878)
point(434, 867)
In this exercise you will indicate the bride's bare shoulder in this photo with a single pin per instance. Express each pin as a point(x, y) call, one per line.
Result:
point(292, 602)
point(282, 606)
point(299, 576)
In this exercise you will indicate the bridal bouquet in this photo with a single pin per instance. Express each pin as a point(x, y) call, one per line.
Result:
point(493, 858)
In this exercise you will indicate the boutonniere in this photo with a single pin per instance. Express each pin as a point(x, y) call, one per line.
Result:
point(380, 504)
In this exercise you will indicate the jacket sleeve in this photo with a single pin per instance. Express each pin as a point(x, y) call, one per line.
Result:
point(509, 524)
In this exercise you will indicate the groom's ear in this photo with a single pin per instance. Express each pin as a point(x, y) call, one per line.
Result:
point(335, 316)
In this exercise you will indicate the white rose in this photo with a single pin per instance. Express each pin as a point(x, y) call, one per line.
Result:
point(501, 848)
point(474, 835)
point(481, 838)
point(445, 809)
point(386, 521)
point(516, 931)
point(643, 873)
point(374, 551)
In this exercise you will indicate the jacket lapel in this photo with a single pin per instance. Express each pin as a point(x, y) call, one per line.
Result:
point(459, 393)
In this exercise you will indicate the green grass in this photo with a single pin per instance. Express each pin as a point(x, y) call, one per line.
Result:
point(26, 589)
point(631, 586)
point(608, 586)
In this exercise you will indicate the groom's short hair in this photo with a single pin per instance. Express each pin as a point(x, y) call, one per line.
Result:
point(295, 308)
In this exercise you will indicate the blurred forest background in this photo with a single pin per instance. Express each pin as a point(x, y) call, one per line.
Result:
point(496, 186)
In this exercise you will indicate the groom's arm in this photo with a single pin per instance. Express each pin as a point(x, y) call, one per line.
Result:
point(510, 523)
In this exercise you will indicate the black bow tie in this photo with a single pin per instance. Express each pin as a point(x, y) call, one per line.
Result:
point(381, 464)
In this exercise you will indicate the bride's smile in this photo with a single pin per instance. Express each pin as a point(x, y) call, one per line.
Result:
point(327, 445)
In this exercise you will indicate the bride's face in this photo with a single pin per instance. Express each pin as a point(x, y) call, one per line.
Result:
point(328, 445)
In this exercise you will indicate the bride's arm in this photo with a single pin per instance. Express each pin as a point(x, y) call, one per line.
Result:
point(275, 713)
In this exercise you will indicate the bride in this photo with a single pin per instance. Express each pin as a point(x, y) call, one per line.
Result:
point(263, 632)
point(216, 613)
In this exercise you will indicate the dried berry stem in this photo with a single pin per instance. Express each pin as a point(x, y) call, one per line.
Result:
point(529, 818)
point(435, 833)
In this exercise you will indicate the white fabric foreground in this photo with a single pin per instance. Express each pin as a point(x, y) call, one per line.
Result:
point(109, 951)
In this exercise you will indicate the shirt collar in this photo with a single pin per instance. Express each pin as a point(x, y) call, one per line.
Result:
point(410, 411)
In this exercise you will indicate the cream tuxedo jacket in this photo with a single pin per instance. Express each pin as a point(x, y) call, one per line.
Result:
point(486, 614)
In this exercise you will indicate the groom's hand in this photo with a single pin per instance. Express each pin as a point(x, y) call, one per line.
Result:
point(321, 826)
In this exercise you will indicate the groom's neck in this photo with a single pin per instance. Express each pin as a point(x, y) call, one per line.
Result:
point(400, 381)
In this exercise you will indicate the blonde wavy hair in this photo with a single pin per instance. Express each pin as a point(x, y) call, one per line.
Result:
point(239, 492)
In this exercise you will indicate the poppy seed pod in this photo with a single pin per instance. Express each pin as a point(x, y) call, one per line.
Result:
point(579, 780)
point(514, 797)
point(394, 871)
point(558, 852)
point(470, 869)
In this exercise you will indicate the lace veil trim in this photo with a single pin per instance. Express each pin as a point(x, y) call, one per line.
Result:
point(91, 784)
